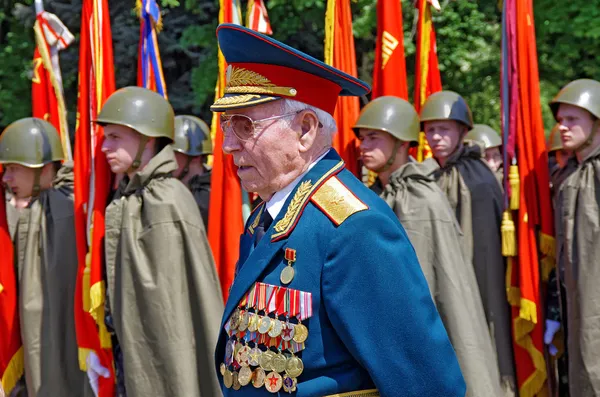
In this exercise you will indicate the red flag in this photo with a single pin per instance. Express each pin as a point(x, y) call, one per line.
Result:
point(11, 350)
point(529, 192)
point(339, 53)
point(389, 71)
point(92, 186)
point(427, 78)
point(257, 18)
point(46, 91)
point(225, 224)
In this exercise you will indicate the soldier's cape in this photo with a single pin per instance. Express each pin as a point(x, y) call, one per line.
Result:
point(476, 197)
point(199, 185)
point(429, 221)
point(162, 285)
point(47, 269)
point(578, 206)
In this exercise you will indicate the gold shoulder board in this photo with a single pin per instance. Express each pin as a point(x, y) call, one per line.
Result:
point(337, 201)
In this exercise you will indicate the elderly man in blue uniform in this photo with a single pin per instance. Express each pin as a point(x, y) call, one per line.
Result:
point(329, 298)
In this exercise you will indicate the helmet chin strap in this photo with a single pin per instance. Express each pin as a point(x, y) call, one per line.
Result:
point(590, 138)
point(392, 158)
point(138, 157)
point(35, 191)
point(186, 168)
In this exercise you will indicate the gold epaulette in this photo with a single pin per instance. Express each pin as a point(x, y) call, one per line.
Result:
point(337, 201)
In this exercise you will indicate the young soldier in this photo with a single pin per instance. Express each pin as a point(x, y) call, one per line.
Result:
point(192, 144)
point(577, 110)
point(163, 292)
point(31, 154)
point(491, 144)
point(386, 128)
point(476, 197)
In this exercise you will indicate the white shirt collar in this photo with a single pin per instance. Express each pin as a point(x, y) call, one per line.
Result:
point(275, 204)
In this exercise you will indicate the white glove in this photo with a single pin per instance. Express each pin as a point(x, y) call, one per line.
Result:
point(95, 370)
point(552, 328)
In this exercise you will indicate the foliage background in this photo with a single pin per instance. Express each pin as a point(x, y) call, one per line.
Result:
point(568, 39)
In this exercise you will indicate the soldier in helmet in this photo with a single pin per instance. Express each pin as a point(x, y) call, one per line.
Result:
point(386, 128)
point(192, 144)
point(576, 108)
point(164, 299)
point(45, 256)
point(476, 197)
point(491, 144)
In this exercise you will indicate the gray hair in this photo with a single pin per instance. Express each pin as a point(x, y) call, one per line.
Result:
point(329, 125)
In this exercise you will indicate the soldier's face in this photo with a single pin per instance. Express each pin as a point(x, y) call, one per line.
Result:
point(120, 147)
point(575, 125)
point(267, 159)
point(375, 147)
point(444, 136)
point(493, 157)
point(19, 179)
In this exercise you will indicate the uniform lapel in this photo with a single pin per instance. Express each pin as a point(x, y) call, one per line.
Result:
point(275, 238)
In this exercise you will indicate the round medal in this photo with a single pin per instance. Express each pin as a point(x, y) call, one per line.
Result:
point(242, 356)
point(244, 321)
point(294, 367)
point(228, 379)
point(222, 369)
point(235, 319)
point(253, 323)
point(276, 327)
point(300, 333)
point(236, 382)
point(273, 382)
point(236, 349)
point(279, 363)
point(287, 332)
point(229, 347)
point(266, 359)
point(265, 325)
point(245, 376)
point(287, 275)
point(254, 356)
point(258, 379)
point(289, 384)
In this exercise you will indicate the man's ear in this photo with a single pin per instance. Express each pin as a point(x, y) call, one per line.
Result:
point(309, 128)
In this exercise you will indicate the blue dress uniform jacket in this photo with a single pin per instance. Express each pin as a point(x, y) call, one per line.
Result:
point(374, 323)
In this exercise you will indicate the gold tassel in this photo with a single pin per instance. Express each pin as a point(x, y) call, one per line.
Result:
point(138, 8)
point(515, 191)
point(509, 239)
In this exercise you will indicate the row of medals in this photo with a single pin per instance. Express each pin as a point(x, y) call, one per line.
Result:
point(270, 364)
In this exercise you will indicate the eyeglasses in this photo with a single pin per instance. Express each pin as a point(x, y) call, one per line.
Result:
point(244, 127)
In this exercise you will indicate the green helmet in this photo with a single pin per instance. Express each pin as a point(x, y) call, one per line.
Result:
point(31, 142)
point(141, 109)
point(192, 136)
point(446, 105)
point(486, 135)
point(390, 114)
point(554, 141)
point(584, 93)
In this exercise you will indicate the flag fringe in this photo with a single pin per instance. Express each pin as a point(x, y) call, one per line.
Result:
point(533, 385)
point(547, 245)
point(513, 294)
point(548, 264)
point(14, 371)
